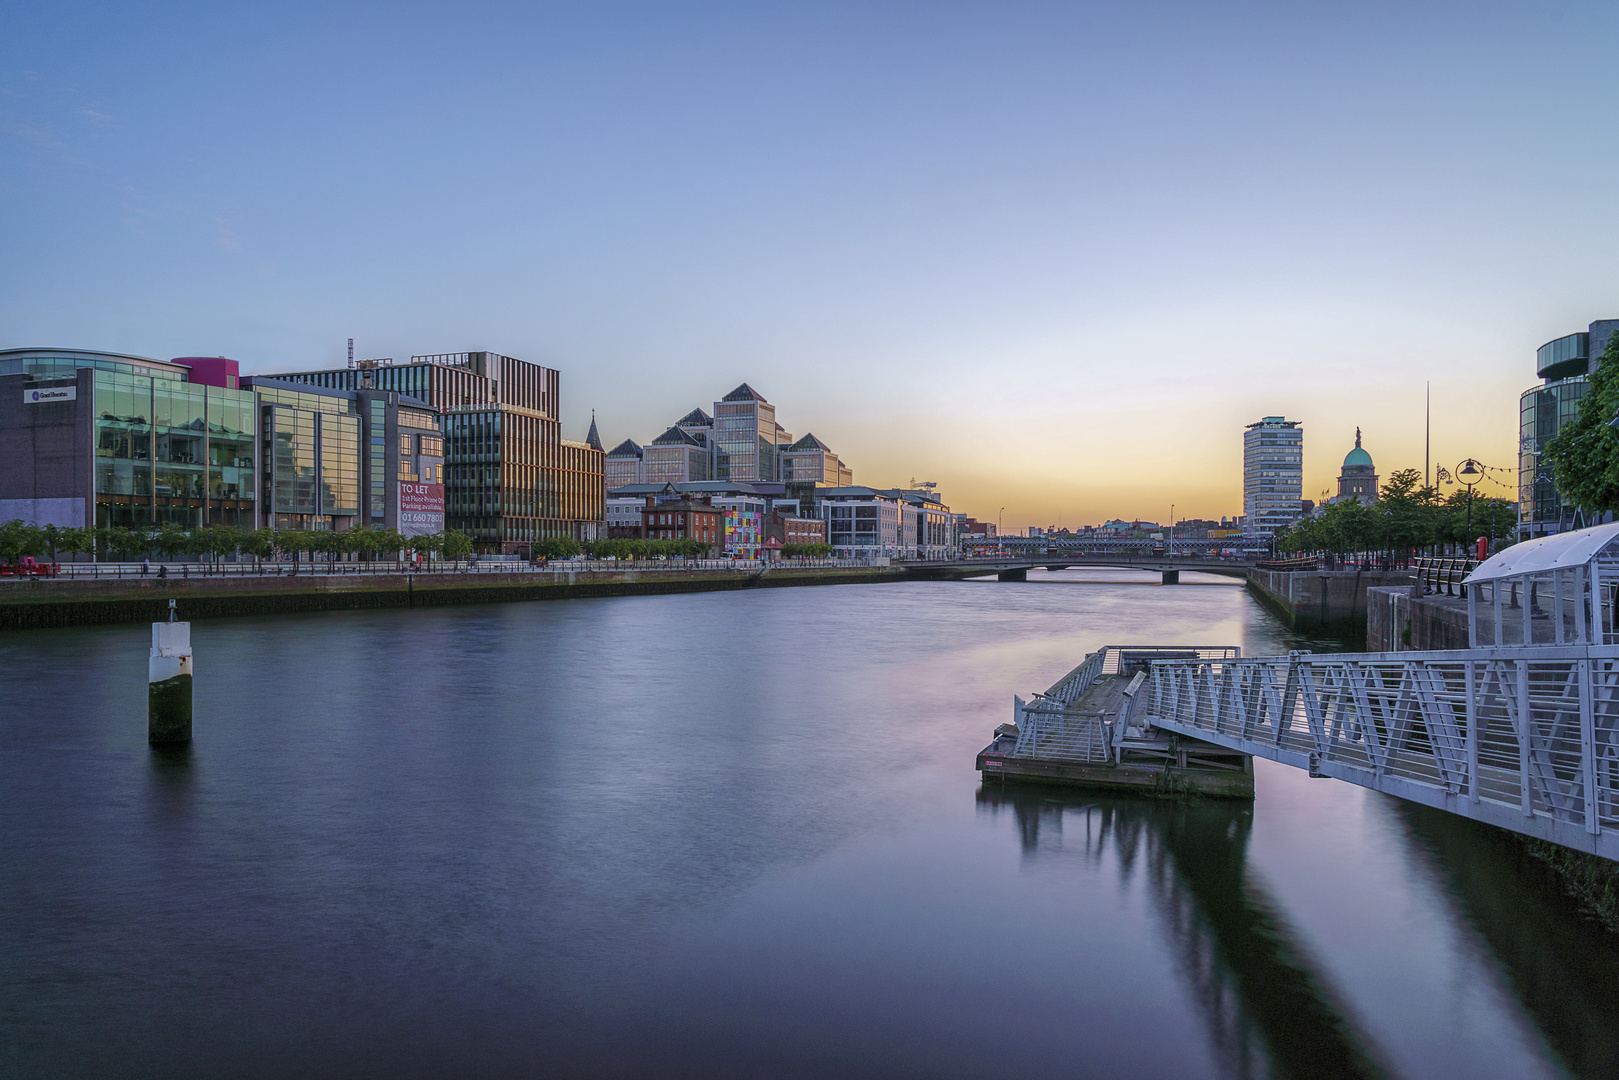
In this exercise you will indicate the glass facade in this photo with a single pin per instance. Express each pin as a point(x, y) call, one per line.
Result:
point(510, 479)
point(744, 441)
point(339, 465)
point(312, 447)
point(378, 449)
point(1564, 357)
point(1542, 412)
point(291, 433)
point(179, 430)
point(65, 363)
point(170, 451)
point(678, 464)
point(865, 527)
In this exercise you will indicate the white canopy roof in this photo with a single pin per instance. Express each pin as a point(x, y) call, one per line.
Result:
point(1548, 553)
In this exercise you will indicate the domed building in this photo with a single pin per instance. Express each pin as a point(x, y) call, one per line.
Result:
point(1359, 476)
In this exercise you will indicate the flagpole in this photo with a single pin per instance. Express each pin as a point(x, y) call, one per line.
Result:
point(1427, 437)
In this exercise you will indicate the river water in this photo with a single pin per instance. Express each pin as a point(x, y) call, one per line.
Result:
point(727, 834)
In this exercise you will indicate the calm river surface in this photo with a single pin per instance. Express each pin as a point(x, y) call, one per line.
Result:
point(729, 834)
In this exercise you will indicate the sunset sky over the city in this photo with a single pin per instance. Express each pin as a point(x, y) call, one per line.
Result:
point(1051, 256)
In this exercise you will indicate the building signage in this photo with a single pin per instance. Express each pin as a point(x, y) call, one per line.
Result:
point(55, 393)
point(422, 498)
point(421, 509)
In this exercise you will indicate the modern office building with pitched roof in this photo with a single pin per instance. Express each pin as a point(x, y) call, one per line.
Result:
point(741, 443)
point(624, 464)
point(747, 439)
point(678, 457)
point(811, 461)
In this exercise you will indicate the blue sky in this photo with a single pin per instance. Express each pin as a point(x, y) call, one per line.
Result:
point(1052, 256)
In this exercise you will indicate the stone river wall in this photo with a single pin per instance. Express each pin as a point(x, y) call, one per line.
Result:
point(27, 604)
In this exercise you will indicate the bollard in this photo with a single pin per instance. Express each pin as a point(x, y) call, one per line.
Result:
point(168, 689)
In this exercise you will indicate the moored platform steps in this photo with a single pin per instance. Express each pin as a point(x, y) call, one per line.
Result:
point(1085, 731)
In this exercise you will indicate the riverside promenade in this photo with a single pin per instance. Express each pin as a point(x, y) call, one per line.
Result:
point(118, 594)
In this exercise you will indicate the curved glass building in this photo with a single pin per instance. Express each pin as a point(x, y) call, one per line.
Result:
point(1564, 364)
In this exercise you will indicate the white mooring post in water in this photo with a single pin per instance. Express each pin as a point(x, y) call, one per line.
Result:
point(168, 679)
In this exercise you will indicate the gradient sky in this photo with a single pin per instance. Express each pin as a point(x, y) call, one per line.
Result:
point(1052, 256)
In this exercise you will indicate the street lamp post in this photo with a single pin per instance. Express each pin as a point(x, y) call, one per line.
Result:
point(1469, 472)
point(1000, 538)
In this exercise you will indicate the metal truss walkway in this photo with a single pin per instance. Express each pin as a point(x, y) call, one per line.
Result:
point(1522, 737)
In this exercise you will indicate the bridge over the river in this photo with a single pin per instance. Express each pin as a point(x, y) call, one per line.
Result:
point(1015, 566)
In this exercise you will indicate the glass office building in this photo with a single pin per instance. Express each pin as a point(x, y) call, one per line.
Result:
point(105, 439)
point(310, 443)
point(508, 476)
point(1564, 364)
point(116, 440)
point(747, 439)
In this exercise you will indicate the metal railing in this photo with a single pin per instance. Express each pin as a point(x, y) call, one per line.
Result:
point(1443, 574)
point(185, 570)
point(1526, 739)
point(1050, 726)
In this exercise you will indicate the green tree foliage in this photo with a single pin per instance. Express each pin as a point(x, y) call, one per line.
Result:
point(454, 544)
point(631, 548)
point(18, 539)
point(260, 543)
point(560, 547)
point(171, 540)
point(1408, 516)
point(1585, 454)
point(118, 542)
point(805, 551)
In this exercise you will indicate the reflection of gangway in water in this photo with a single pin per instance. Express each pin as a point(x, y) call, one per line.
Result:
point(1520, 731)
point(1563, 968)
point(1268, 1011)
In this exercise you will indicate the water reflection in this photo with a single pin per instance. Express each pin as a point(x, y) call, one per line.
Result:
point(1267, 1008)
point(1561, 966)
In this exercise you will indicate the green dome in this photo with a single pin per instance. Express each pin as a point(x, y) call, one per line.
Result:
point(1357, 456)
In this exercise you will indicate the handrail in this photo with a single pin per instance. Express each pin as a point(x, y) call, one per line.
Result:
point(1444, 574)
point(1523, 738)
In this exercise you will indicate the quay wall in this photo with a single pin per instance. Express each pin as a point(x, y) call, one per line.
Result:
point(1327, 602)
point(29, 604)
point(1396, 621)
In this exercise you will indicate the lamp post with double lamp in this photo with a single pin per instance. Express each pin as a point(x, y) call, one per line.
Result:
point(1469, 472)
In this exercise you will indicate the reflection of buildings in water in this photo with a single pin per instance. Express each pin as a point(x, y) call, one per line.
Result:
point(1267, 1009)
point(1562, 967)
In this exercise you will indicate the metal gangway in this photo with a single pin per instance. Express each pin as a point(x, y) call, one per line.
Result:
point(1057, 726)
point(1520, 731)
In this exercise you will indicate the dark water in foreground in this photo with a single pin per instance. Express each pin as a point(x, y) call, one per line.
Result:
point(726, 835)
